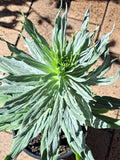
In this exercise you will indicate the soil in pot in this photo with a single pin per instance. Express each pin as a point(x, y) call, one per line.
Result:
point(34, 145)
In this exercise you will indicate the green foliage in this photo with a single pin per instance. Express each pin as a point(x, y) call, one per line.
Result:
point(50, 89)
point(8, 158)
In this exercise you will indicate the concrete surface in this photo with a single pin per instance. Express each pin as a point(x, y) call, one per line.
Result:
point(105, 144)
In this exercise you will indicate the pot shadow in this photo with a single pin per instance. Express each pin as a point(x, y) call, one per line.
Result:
point(7, 11)
point(100, 141)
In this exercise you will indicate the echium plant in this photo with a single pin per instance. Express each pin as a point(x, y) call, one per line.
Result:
point(50, 89)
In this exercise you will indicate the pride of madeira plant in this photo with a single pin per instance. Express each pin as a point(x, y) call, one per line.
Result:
point(50, 89)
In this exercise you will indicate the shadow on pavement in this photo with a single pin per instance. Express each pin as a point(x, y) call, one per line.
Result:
point(58, 2)
point(7, 11)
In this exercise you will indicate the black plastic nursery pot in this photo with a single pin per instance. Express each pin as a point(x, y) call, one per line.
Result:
point(27, 151)
point(62, 154)
point(65, 155)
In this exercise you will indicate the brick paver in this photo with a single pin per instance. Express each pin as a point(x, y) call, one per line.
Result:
point(9, 21)
point(112, 16)
point(102, 142)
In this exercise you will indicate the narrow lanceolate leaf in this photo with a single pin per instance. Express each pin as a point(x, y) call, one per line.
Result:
point(41, 106)
point(22, 101)
point(38, 41)
point(85, 45)
point(32, 32)
point(83, 67)
point(91, 37)
point(50, 153)
point(105, 103)
point(8, 158)
point(85, 20)
point(59, 33)
point(34, 123)
point(107, 122)
point(94, 77)
point(57, 26)
point(11, 121)
point(100, 48)
point(79, 108)
point(99, 123)
point(4, 98)
point(20, 56)
point(102, 69)
point(102, 81)
point(22, 140)
point(62, 32)
point(10, 89)
point(69, 47)
point(82, 90)
point(101, 44)
point(77, 156)
point(79, 42)
point(50, 140)
point(28, 80)
point(77, 79)
point(40, 52)
point(34, 49)
point(16, 67)
point(75, 136)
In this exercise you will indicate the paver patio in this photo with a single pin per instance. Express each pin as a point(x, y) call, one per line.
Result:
point(105, 144)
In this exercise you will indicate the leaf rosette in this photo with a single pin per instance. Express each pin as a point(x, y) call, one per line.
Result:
point(49, 89)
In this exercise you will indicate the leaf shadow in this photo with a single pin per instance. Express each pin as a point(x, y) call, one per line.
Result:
point(8, 13)
point(113, 55)
point(58, 3)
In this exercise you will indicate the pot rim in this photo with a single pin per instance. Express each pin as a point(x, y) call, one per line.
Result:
point(65, 155)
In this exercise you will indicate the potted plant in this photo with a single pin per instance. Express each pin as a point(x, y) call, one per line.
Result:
point(49, 91)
